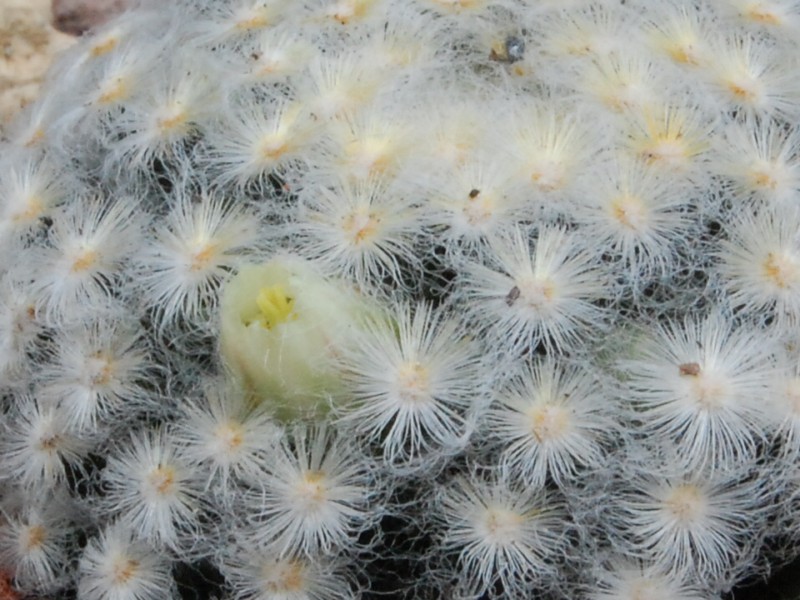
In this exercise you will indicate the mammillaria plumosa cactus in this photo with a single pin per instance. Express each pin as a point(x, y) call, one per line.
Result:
point(405, 299)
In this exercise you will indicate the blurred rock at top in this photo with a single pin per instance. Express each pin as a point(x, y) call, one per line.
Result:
point(78, 16)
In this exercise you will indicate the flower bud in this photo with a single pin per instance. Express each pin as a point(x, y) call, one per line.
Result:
point(283, 325)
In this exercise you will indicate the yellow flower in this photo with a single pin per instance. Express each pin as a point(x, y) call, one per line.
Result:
point(283, 326)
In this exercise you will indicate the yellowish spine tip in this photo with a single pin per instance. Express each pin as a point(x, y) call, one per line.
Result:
point(104, 47)
point(762, 15)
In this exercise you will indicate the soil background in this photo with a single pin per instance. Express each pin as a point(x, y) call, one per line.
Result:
point(28, 42)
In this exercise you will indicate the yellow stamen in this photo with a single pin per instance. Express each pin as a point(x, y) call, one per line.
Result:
point(276, 306)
